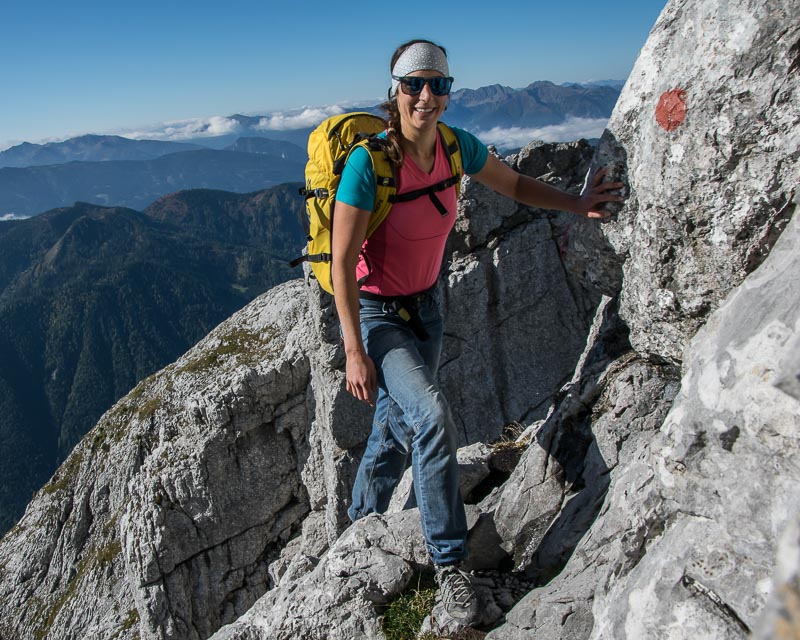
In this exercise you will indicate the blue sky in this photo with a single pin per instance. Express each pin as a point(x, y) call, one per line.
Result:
point(68, 68)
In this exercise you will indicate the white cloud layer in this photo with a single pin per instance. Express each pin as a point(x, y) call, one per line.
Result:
point(185, 129)
point(298, 120)
point(502, 138)
point(570, 129)
point(11, 216)
point(220, 125)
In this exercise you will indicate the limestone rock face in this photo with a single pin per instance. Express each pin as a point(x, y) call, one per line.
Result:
point(228, 474)
point(615, 399)
point(686, 540)
point(724, 469)
point(512, 312)
point(162, 520)
point(196, 550)
point(705, 134)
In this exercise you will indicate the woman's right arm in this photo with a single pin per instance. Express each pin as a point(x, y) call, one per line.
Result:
point(349, 231)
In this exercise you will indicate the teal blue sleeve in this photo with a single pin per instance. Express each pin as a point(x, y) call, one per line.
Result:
point(473, 151)
point(357, 186)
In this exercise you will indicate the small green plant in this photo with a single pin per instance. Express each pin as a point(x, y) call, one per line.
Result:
point(404, 616)
point(107, 554)
point(130, 621)
point(65, 474)
point(149, 408)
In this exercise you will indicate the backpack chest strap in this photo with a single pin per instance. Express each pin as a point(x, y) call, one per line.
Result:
point(429, 191)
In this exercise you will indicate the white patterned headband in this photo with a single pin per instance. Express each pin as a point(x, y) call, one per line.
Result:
point(419, 56)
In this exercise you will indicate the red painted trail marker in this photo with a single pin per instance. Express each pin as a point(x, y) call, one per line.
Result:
point(671, 109)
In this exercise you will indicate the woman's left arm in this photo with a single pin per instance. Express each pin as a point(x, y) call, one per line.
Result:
point(535, 193)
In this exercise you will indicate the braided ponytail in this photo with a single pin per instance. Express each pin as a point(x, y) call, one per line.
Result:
point(394, 133)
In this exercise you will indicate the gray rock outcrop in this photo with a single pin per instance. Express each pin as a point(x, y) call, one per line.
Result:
point(684, 542)
point(229, 472)
point(710, 193)
point(158, 520)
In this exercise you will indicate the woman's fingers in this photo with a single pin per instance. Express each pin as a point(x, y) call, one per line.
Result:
point(599, 175)
point(362, 379)
point(608, 186)
point(600, 193)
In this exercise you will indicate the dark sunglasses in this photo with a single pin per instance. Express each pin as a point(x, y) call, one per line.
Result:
point(413, 85)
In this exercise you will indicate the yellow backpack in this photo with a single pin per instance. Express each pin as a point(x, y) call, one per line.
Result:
point(329, 145)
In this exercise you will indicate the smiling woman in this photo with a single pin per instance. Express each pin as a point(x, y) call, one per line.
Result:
point(387, 301)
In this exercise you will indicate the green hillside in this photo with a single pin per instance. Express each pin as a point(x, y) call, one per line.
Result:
point(94, 299)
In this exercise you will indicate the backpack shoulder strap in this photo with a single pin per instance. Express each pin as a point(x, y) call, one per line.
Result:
point(385, 183)
point(453, 153)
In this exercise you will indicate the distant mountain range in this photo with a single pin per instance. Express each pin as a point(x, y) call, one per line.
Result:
point(537, 105)
point(89, 148)
point(94, 148)
point(94, 299)
point(540, 104)
point(30, 190)
point(116, 171)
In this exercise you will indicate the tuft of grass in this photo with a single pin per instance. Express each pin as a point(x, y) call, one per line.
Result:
point(509, 439)
point(107, 554)
point(248, 346)
point(509, 447)
point(405, 615)
point(130, 621)
point(65, 474)
point(149, 408)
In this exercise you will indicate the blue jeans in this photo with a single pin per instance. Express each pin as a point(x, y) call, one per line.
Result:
point(411, 417)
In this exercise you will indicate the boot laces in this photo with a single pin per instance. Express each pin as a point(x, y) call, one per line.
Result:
point(456, 588)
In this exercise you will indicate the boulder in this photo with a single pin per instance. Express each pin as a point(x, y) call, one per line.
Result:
point(686, 541)
point(705, 134)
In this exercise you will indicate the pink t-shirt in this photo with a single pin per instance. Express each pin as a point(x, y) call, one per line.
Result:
point(405, 253)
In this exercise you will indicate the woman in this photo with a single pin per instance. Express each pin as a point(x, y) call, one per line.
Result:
point(391, 364)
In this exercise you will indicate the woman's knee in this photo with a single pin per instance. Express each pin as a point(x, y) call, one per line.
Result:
point(434, 418)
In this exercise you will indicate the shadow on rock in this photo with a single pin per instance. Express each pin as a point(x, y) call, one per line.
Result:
point(563, 474)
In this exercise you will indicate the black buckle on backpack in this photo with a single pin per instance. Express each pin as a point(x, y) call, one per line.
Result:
point(313, 193)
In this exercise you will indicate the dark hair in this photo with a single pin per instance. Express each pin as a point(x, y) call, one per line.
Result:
point(394, 132)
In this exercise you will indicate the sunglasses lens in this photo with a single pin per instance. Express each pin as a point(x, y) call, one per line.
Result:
point(440, 86)
point(412, 85)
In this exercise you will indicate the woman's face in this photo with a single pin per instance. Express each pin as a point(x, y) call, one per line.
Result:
point(423, 110)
